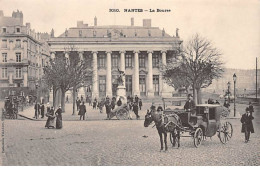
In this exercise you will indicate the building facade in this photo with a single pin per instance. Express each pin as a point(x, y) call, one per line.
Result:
point(23, 55)
point(136, 50)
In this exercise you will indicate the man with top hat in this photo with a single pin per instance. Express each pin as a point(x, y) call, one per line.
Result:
point(247, 124)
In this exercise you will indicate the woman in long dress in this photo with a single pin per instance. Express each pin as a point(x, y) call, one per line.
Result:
point(58, 118)
point(51, 117)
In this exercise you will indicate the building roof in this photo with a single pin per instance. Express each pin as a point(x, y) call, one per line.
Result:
point(117, 34)
point(116, 31)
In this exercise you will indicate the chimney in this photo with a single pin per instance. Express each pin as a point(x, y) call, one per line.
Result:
point(95, 21)
point(79, 24)
point(132, 22)
point(28, 25)
point(147, 23)
point(18, 15)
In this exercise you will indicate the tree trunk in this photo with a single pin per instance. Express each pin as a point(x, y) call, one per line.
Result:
point(54, 92)
point(63, 100)
point(199, 97)
point(74, 99)
point(195, 97)
point(57, 98)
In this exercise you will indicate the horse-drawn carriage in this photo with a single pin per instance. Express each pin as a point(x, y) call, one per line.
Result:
point(121, 112)
point(205, 120)
point(10, 109)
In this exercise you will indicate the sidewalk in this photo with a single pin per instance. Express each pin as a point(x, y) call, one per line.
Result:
point(92, 114)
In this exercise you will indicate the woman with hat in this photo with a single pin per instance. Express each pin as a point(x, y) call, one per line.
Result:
point(247, 124)
point(51, 117)
point(58, 118)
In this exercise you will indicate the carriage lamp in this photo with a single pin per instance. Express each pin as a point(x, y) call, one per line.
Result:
point(234, 79)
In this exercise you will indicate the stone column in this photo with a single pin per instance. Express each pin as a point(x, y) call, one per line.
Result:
point(108, 78)
point(95, 93)
point(150, 92)
point(81, 90)
point(122, 64)
point(67, 56)
point(136, 74)
point(164, 85)
point(53, 55)
point(80, 55)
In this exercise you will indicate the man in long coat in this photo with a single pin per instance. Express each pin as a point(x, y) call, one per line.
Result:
point(247, 124)
point(189, 105)
point(78, 103)
point(108, 108)
point(82, 111)
point(42, 110)
point(37, 110)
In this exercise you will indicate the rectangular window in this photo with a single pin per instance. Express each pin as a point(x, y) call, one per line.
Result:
point(4, 43)
point(17, 30)
point(102, 86)
point(18, 43)
point(156, 84)
point(4, 72)
point(18, 72)
point(114, 61)
point(128, 61)
point(142, 61)
point(18, 57)
point(156, 60)
point(102, 61)
point(4, 56)
point(142, 85)
point(4, 30)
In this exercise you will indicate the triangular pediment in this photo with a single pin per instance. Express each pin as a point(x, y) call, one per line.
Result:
point(143, 71)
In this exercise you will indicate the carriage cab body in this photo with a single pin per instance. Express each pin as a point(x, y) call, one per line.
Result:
point(208, 118)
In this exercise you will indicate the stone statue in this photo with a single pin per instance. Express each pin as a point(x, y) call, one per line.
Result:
point(163, 32)
point(52, 33)
point(66, 33)
point(120, 78)
point(177, 32)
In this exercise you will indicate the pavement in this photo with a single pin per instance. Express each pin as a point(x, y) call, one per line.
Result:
point(98, 142)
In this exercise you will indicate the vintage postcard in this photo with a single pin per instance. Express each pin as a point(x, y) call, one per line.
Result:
point(129, 82)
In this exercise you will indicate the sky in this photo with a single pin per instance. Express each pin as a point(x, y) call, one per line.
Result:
point(233, 26)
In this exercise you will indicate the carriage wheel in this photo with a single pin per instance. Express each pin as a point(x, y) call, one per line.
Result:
point(173, 141)
point(225, 132)
point(121, 114)
point(198, 136)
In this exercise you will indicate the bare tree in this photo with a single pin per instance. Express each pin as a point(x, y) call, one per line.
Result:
point(196, 65)
point(67, 73)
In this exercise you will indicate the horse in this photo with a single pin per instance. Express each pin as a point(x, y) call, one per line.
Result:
point(172, 126)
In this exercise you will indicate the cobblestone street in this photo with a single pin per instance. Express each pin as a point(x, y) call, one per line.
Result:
point(115, 142)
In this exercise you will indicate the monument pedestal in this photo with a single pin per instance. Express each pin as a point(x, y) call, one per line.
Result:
point(121, 93)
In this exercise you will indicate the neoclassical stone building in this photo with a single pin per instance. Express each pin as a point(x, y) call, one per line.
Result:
point(136, 50)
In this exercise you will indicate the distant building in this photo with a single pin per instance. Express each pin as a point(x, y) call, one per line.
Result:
point(23, 55)
point(245, 83)
point(135, 50)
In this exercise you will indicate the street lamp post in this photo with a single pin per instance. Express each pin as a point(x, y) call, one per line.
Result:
point(234, 79)
point(228, 92)
point(37, 93)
